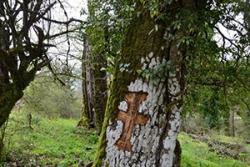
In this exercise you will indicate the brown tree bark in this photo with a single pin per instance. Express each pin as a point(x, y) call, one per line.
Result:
point(10, 93)
point(88, 117)
point(100, 89)
point(94, 87)
point(100, 77)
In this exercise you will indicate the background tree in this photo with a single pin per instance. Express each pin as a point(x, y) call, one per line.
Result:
point(47, 97)
point(104, 34)
point(25, 28)
point(88, 112)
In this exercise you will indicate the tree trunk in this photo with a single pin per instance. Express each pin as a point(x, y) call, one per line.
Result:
point(9, 94)
point(100, 76)
point(8, 99)
point(231, 123)
point(142, 117)
point(94, 88)
point(100, 89)
point(87, 118)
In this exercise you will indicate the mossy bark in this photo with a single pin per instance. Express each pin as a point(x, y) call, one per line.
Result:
point(87, 117)
point(151, 62)
point(100, 89)
point(94, 88)
point(9, 95)
point(141, 40)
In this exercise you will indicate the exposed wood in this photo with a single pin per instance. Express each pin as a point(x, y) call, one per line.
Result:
point(130, 118)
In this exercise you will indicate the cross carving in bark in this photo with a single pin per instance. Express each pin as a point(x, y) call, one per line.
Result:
point(130, 118)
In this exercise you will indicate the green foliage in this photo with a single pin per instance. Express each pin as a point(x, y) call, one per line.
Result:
point(209, 106)
point(51, 99)
point(50, 142)
point(158, 74)
point(213, 109)
point(108, 21)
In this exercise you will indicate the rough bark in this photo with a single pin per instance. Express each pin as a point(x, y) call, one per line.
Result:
point(94, 88)
point(100, 89)
point(145, 49)
point(100, 77)
point(10, 93)
point(87, 118)
point(8, 98)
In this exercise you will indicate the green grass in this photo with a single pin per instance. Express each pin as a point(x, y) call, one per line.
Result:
point(49, 142)
point(197, 154)
point(59, 142)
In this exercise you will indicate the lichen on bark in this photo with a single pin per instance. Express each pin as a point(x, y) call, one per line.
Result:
point(145, 47)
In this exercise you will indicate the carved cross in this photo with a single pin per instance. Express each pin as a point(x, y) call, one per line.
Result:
point(130, 118)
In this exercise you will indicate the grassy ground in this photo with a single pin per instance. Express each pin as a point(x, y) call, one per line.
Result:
point(197, 154)
point(50, 142)
point(59, 142)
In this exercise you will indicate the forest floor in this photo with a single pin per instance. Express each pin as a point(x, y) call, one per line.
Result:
point(58, 142)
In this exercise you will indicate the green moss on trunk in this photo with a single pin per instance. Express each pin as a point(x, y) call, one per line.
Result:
point(138, 44)
point(100, 89)
point(87, 115)
point(114, 98)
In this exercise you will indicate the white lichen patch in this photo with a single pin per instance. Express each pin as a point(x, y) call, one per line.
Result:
point(123, 106)
point(170, 141)
point(124, 67)
point(153, 63)
point(114, 133)
point(145, 140)
point(151, 54)
point(174, 86)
